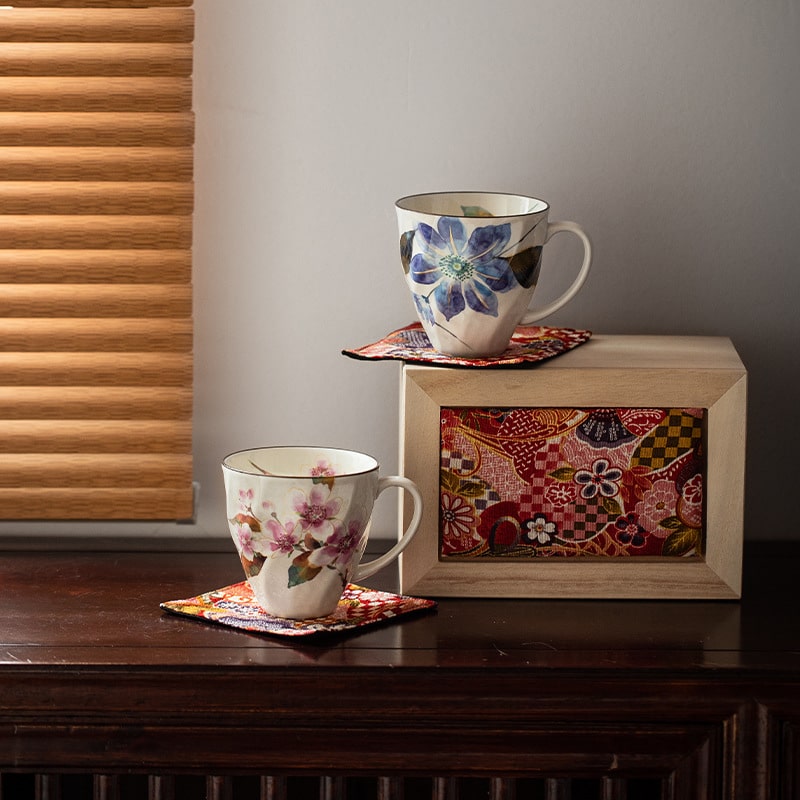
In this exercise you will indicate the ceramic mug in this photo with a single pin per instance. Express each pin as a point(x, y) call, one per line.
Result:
point(472, 261)
point(299, 517)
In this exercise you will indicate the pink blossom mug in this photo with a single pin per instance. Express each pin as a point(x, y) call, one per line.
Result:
point(300, 517)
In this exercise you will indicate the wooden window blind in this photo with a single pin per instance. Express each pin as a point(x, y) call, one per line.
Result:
point(96, 199)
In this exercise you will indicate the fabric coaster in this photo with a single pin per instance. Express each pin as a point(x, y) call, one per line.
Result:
point(235, 607)
point(528, 344)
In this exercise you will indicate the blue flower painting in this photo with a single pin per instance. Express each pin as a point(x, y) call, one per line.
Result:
point(467, 272)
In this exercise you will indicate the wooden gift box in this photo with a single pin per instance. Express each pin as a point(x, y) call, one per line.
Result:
point(615, 470)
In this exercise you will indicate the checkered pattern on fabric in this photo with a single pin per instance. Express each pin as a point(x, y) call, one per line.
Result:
point(545, 460)
point(457, 462)
point(676, 435)
point(588, 519)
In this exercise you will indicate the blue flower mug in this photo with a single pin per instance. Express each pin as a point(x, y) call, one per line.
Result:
point(300, 518)
point(472, 262)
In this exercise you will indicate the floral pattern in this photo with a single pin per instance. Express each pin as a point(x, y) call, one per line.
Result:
point(457, 271)
point(463, 272)
point(458, 520)
point(234, 606)
point(317, 510)
point(538, 482)
point(601, 479)
point(314, 538)
point(539, 530)
point(529, 344)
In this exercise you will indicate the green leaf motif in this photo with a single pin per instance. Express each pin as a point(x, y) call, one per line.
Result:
point(328, 480)
point(252, 568)
point(471, 488)
point(248, 519)
point(525, 266)
point(681, 541)
point(406, 246)
point(449, 481)
point(611, 506)
point(475, 211)
point(564, 474)
point(671, 524)
point(301, 571)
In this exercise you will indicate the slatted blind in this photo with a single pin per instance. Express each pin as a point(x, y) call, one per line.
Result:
point(96, 194)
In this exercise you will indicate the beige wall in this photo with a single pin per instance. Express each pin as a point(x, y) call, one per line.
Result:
point(668, 129)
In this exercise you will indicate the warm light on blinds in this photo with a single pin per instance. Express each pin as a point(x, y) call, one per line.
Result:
point(96, 197)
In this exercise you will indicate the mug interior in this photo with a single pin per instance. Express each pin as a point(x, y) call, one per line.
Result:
point(471, 204)
point(300, 462)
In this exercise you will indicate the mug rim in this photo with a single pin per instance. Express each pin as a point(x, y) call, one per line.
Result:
point(300, 447)
point(403, 203)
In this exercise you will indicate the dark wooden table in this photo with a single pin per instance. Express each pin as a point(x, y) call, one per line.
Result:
point(104, 695)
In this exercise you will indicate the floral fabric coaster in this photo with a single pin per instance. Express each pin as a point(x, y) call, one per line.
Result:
point(235, 607)
point(528, 344)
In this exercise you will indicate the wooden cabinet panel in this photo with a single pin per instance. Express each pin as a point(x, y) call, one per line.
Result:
point(103, 695)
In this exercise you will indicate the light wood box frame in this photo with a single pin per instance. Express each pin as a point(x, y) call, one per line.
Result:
point(607, 371)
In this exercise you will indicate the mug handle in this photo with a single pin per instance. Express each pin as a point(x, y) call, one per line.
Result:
point(371, 567)
point(552, 229)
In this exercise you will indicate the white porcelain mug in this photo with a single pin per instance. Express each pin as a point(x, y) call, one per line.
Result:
point(299, 517)
point(472, 261)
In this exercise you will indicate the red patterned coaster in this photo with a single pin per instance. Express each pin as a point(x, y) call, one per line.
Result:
point(528, 344)
point(235, 607)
